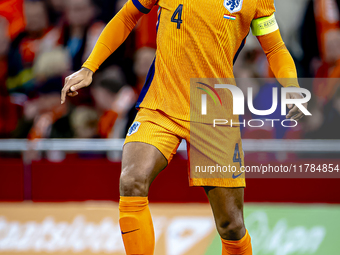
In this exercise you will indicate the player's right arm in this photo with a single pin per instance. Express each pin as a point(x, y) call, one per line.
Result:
point(113, 35)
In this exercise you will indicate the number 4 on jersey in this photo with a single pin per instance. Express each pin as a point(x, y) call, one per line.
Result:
point(178, 13)
point(237, 155)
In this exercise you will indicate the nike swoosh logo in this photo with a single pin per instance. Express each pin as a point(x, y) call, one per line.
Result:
point(236, 176)
point(123, 233)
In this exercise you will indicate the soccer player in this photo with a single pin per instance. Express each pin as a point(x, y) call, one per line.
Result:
point(195, 39)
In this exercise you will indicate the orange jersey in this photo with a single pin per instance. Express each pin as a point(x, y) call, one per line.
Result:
point(196, 39)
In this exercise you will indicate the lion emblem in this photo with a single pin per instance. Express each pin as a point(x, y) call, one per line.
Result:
point(233, 5)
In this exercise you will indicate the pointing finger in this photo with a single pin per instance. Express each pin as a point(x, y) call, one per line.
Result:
point(65, 90)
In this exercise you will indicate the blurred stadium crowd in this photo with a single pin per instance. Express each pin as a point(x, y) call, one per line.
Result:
point(43, 41)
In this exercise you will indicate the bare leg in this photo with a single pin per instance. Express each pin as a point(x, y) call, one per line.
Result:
point(141, 164)
point(227, 207)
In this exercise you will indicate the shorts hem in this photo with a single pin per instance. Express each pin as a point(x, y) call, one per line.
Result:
point(226, 182)
point(136, 141)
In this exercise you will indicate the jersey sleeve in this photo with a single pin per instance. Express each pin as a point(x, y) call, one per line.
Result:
point(144, 6)
point(279, 58)
point(264, 21)
point(113, 35)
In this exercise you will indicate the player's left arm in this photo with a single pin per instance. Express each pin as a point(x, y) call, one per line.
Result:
point(280, 61)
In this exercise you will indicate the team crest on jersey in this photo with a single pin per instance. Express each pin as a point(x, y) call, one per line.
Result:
point(134, 128)
point(233, 5)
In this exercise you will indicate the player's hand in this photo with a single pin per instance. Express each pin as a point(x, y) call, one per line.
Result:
point(75, 81)
point(295, 113)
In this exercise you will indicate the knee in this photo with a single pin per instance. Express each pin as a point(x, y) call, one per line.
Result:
point(232, 229)
point(133, 184)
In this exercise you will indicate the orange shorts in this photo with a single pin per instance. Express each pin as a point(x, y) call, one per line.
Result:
point(215, 157)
